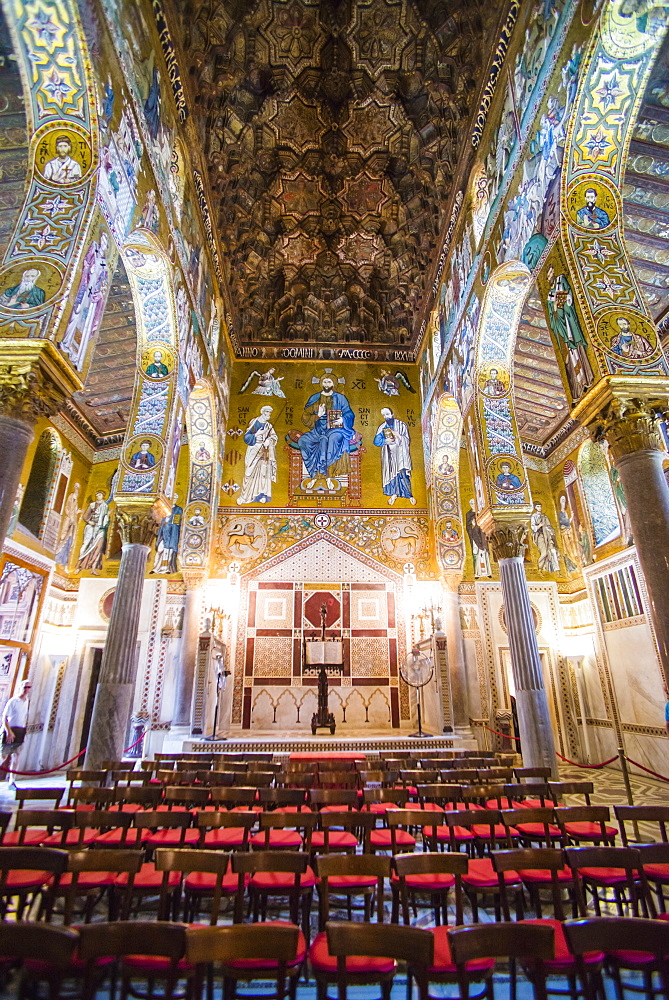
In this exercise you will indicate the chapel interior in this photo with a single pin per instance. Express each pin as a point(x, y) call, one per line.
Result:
point(334, 384)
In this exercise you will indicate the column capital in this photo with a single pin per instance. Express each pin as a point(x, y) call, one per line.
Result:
point(629, 425)
point(194, 578)
point(137, 523)
point(34, 380)
point(508, 540)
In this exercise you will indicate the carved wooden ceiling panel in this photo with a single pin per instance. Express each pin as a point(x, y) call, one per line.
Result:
point(332, 132)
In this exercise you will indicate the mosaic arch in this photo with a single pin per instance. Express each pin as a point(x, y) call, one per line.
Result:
point(148, 454)
point(443, 481)
point(617, 65)
point(203, 480)
point(52, 225)
point(491, 432)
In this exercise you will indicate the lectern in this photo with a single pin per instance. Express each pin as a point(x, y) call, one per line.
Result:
point(325, 657)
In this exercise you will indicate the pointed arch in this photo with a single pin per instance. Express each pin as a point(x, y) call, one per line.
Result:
point(491, 431)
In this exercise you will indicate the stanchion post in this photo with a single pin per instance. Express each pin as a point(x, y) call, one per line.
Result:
point(628, 787)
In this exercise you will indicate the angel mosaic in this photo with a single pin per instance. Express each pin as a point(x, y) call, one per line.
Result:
point(268, 384)
point(390, 384)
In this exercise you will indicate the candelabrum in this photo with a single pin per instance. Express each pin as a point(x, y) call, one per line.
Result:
point(218, 618)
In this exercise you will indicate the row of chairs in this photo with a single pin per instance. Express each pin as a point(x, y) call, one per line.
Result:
point(441, 959)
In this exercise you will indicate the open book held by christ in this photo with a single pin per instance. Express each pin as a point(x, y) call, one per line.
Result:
point(334, 418)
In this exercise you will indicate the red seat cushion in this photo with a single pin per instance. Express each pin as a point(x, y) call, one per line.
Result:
point(501, 803)
point(27, 878)
point(205, 882)
point(564, 959)
point(443, 962)
point(589, 831)
point(115, 837)
point(72, 838)
point(258, 964)
point(33, 838)
point(76, 966)
point(539, 830)
point(541, 876)
point(291, 809)
point(604, 876)
point(443, 833)
point(632, 959)
point(230, 836)
point(277, 838)
point(481, 875)
point(383, 838)
point(336, 838)
point(172, 838)
point(347, 883)
point(427, 882)
point(89, 880)
point(483, 831)
point(361, 965)
point(282, 881)
point(155, 965)
point(533, 804)
point(148, 878)
point(657, 873)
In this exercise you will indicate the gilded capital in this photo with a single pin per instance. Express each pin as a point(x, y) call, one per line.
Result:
point(629, 425)
point(194, 578)
point(508, 541)
point(137, 524)
point(27, 393)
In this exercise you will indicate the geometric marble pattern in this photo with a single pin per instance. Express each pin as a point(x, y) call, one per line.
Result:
point(273, 656)
point(369, 656)
point(274, 609)
point(368, 610)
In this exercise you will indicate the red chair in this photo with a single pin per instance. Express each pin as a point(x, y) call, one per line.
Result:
point(630, 943)
point(532, 946)
point(225, 830)
point(247, 952)
point(355, 954)
point(281, 831)
point(25, 872)
point(655, 861)
point(150, 951)
point(20, 942)
point(395, 837)
point(428, 873)
point(581, 824)
point(616, 868)
point(208, 876)
point(481, 878)
point(531, 826)
point(274, 875)
point(343, 831)
point(351, 876)
point(167, 829)
point(37, 826)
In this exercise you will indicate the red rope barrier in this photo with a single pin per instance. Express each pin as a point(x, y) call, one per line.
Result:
point(506, 736)
point(591, 767)
point(52, 770)
point(646, 769)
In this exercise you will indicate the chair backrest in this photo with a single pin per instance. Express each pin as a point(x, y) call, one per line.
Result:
point(561, 788)
point(302, 821)
point(118, 765)
point(653, 854)
point(531, 859)
point(256, 779)
point(439, 793)
point(320, 797)
point(266, 766)
point(523, 773)
point(282, 797)
point(628, 859)
point(213, 778)
point(39, 795)
point(431, 863)
point(187, 861)
point(233, 796)
point(610, 934)
point(642, 814)
point(418, 777)
point(360, 823)
point(5, 819)
point(503, 939)
point(102, 820)
point(185, 796)
point(97, 797)
point(207, 820)
point(474, 817)
point(276, 943)
point(339, 764)
point(81, 774)
point(51, 819)
point(162, 938)
point(55, 945)
point(158, 820)
point(406, 944)
point(102, 860)
point(513, 817)
point(329, 866)
point(41, 859)
point(383, 778)
point(286, 862)
point(461, 775)
point(528, 790)
point(145, 796)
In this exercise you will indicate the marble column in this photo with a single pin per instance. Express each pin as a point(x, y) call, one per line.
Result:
point(26, 394)
point(455, 649)
point(637, 450)
point(190, 632)
point(118, 670)
point(15, 439)
point(534, 721)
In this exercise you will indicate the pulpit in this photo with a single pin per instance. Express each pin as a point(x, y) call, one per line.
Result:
point(323, 657)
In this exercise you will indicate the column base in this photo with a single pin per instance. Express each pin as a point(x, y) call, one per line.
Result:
point(113, 703)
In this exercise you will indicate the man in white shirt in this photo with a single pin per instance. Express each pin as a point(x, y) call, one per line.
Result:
point(14, 723)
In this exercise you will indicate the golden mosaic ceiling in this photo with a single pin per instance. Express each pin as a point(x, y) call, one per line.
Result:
point(332, 132)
